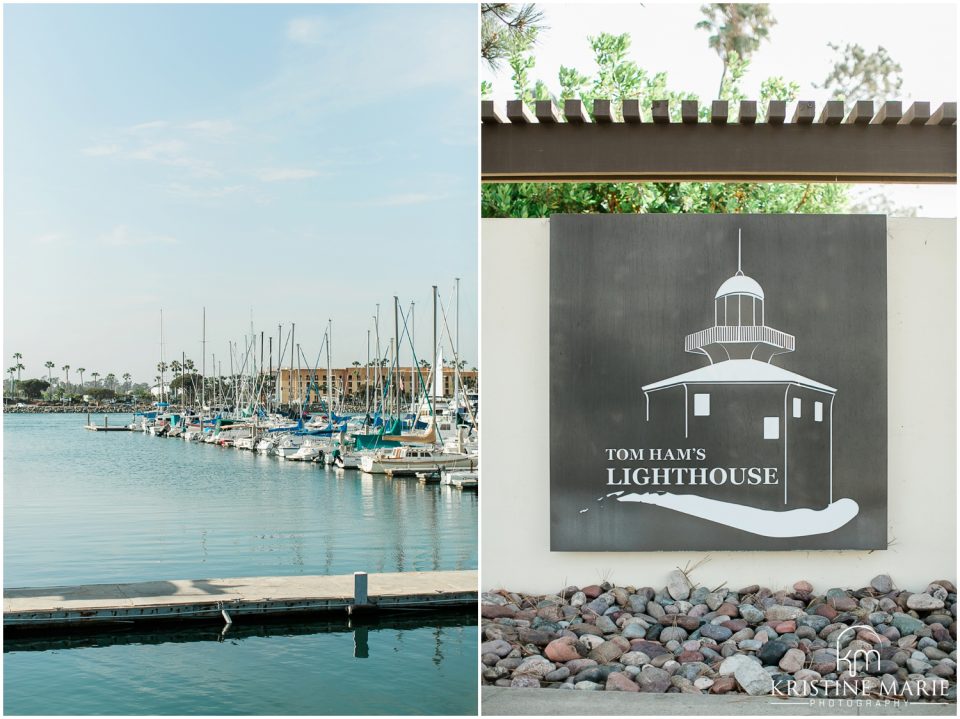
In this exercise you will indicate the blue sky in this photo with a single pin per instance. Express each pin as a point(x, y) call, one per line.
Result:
point(302, 162)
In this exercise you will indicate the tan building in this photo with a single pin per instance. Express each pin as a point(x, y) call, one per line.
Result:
point(352, 381)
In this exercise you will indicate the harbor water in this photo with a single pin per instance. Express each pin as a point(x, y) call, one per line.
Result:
point(85, 507)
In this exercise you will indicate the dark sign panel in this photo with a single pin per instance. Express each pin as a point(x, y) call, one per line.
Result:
point(718, 382)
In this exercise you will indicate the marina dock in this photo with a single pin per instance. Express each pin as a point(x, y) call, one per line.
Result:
point(224, 600)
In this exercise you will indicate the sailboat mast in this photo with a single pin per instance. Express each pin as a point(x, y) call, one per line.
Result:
point(293, 335)
point(203, 361)
point(396, 352)
point(413, 357)
point(433, 386)
point(456, 354)
point(329, 371)
point(162, 373)
point(367, 381)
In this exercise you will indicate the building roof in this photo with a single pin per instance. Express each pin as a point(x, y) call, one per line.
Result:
point(746, 371)
point(740, 285)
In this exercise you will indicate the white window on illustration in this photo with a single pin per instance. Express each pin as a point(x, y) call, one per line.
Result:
point(818, 411)
point(701, 405)
point(797, 407)
point(771, 428)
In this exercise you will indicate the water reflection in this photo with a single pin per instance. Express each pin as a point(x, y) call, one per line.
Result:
point(359, 626)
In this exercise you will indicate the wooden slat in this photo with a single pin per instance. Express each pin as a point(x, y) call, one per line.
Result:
point(946, 114)
point(574, 112)
point(776, 112)
point(631, 111)
point(748, 112)
point(861, 113)
point(690, 111)
point(832, 113)
point(719, 112)
point(889, 113)
point(594, 152)
point(602, 111)
point(661, 111)
point(805, 112)
point(917, 114)
point(517, 113)
point(546, 112)
point(489, 114)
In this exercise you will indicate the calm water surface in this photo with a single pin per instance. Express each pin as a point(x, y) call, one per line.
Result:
point(86, 507)
point(83, 507)
point(419, 666)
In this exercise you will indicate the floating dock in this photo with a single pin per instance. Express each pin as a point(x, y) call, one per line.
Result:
point(226, 600)
point(105, 427)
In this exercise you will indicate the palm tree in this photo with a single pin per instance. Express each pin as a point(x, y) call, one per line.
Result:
point(126, 380)
point(16, 358)
point(66, 368)
point(94, 375)
point(110, 380)
point(81, 370)
point(161, 368)
point(10, 371)
point(49, 365)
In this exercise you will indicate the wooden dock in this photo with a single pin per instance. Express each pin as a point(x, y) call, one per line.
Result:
point(105, 427)
point(48, 608)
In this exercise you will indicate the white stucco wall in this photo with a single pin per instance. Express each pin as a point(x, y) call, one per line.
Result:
point(514, 356)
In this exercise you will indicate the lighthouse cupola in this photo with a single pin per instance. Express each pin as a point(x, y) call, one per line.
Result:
point(739, 323)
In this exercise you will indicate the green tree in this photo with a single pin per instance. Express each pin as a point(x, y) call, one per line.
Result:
point(126, 380)
point(861, 75)
point(49, 365)
point(101, 393)
point(81, 370)
point(33, 388)
point(17, 364)
point(503, 26)
point(110, 381)
point(66, 369)
point(737, 29)
point(619, 78)
point(94, 375)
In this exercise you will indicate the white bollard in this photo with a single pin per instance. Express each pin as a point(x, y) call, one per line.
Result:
point(359, 588)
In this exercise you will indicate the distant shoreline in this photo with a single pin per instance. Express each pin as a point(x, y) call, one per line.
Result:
point(76, 409)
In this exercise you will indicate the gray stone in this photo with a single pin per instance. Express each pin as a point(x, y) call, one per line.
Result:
point(677, 585)
point(525, 681)
point(557, 675)
point(729, 665)
point(634, 659)
point(906, 624)
point(782, 613)
point(606, 625)
point(653, 680)
point(924, 602)
point(498, 646)
point(588, 686)
point(715, 632)
point(751, 613)
point(578, 599)
point(753, 679)
point(673, 634)
point(882, 583)
point(634, 631)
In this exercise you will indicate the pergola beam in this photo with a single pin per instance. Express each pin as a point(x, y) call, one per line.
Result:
point(891, 147)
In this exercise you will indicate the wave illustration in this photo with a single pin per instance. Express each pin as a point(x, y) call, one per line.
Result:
point(766, 523)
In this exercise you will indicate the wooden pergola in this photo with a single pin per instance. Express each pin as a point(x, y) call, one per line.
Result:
point(870, 143)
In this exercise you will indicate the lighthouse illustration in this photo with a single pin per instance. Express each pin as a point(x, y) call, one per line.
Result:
point(743, 411)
